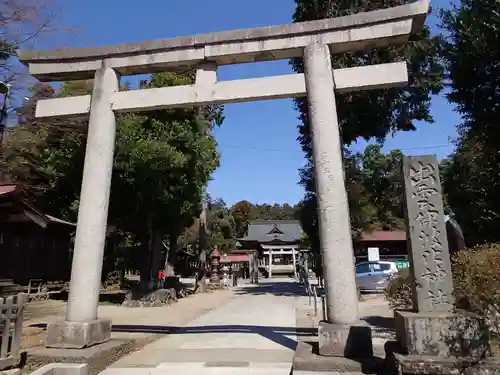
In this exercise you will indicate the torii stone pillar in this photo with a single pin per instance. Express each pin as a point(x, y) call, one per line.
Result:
point(82, 328)
point(333, 213)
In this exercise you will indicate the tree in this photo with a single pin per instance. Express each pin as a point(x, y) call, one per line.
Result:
point(242, 214)
point(375, 191)
point(363, 213)
point(370, 114)
point(470, 176)
point(383, 181)
point(22, 22)
point(274, 212)
point(162, 161)
point(221, 225)
point(47, 156)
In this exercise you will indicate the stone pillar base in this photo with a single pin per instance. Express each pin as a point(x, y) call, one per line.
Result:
point(406, 364)
point(350, 341)
point(78, 335)
point(440, 343)
point(443, 334)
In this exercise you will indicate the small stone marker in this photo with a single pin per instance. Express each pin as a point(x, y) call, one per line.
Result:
point(428, 245)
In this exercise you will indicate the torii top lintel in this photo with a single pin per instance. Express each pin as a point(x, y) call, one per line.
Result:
point(349, 33)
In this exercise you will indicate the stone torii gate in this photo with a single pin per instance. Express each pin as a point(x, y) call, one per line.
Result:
point(314, 41)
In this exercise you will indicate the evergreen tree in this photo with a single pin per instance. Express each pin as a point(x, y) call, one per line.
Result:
point(162, 161)
point(470, 176)
point(369, 114)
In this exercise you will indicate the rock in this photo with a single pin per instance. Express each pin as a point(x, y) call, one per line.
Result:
point(130, 303)
point(493, 319)
point(155, 298)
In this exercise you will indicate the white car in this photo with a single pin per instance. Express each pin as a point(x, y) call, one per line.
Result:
point(373, 276)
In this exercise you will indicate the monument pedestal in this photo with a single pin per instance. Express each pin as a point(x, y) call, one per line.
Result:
point(350, 341)
point(417, 364)
point(443, 334)
point(78, 335)
point(440, 343)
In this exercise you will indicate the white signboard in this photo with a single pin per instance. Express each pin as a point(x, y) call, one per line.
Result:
point(373, 254)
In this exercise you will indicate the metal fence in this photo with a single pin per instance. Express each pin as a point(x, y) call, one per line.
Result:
point(11, 326)
point(316, 297)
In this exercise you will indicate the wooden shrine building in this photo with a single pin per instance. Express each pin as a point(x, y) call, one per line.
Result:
point(391, 244)
point(280, 241)
point(33, 245)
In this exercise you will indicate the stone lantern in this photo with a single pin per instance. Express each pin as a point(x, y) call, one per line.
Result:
point(215, 260)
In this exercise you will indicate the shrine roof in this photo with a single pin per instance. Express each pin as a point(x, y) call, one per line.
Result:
point(15, 193)
point(265, 231)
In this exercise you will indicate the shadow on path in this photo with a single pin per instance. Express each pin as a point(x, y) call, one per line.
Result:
point(275, 334)
point(277, 288)
point(380, 322)
point(381, 326)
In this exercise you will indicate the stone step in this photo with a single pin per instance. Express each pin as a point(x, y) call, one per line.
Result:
point(205, 368)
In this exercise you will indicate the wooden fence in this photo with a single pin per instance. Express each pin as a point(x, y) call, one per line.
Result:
point(11, 325)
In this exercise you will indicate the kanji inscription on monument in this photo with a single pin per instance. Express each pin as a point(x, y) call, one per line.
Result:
point(428, 245)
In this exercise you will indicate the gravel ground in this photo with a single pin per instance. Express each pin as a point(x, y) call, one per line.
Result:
point(177, 314)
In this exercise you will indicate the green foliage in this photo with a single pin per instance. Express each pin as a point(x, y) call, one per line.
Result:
point(470, 176)
point(220, 229)
point(374, 190)
point(221, 225)
point(382, 179)
point(244, 212)
point(162, 162)
point(47, 157)
point(227, 224)
point(74, 88)
point(370, 114)
point(308, 217)
point(374, 114)
point(476, 278)
point(398, 291)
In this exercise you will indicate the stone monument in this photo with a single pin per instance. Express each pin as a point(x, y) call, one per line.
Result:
point(428, 245)
point(313, 41)
point(433, 338)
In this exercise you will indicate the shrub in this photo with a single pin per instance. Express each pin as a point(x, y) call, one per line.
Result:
point(399, 290)
point(476, 277)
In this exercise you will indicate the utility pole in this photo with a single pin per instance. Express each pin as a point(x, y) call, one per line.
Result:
point(203, 231)
point(5, 91)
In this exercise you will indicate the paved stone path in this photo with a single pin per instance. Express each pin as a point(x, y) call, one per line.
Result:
point(177, 314)
point(253, 332)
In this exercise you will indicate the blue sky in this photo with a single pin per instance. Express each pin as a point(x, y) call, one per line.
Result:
point(260, 155)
